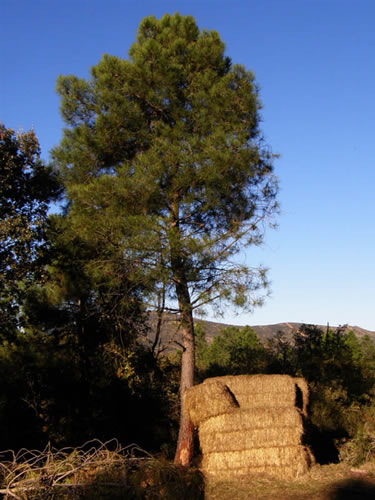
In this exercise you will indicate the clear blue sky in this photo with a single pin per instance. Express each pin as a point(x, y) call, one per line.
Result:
point(314, 61)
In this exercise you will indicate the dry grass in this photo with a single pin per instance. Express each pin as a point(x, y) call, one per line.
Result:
point(329, 482)
point(100, 471)
point(95, 471)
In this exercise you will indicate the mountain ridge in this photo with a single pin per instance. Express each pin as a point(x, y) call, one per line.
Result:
point(287, 329)
point(170, 337)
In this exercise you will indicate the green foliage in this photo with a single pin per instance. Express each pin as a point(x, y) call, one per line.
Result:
point(164, 163)
point(76, 370)
point(69, 362)
point(26, 187)
point(367, 357)
point(76, 297)
point(50, 394)
point(360, 447)
point(234, 351)
point(201, 346)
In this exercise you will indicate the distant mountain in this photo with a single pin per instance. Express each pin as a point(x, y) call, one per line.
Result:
point(268, 332)
point(170, 335)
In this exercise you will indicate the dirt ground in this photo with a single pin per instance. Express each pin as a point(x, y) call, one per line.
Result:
point(329, 482)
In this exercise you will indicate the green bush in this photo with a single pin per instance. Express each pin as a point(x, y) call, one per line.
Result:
point(234, 351)
point(361, 447)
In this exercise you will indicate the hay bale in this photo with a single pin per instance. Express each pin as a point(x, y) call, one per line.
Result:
point(276, 456)
point(255, 383)
point(207, 400)
point(251, 424)
point(282, 472)
point(253, 391)
point(258, 418)
point(251, 438)
point(267, 399)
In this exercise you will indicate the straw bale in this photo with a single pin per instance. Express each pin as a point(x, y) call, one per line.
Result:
point(250, 424)
point(253, 391)
point(258, 418)
point(282, 472)
point(244, 384)
point(266, 399)
point(208, 400)
point(251, 438)
point(276, 456)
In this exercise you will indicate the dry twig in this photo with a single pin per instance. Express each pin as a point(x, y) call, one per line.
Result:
point(31, 471)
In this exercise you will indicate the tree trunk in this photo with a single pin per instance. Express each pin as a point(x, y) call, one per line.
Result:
point(184, 451)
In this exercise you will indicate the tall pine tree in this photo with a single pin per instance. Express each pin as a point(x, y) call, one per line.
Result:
point(165, 165)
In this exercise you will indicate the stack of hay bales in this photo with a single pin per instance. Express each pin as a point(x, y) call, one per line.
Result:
point(251, 423)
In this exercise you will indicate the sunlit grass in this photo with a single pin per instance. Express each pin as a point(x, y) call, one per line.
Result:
point(321, 483)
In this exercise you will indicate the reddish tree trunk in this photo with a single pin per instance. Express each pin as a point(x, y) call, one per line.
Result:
point(184, 452)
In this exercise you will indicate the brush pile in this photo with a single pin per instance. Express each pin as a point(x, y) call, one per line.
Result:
point(95, 471)
point(251, 423)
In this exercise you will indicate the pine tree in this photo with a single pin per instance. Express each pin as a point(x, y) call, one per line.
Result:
point(165, 168)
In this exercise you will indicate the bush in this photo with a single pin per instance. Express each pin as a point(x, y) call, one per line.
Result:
point(235, 351)
point(361, 448)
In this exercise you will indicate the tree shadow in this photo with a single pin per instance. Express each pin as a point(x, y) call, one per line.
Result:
point(321, 443)
point(352, 489)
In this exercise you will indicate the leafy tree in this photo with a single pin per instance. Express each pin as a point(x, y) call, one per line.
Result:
point(324, 356)
point(367, 359)
point(26, 187)
point(234, 351)
point(166, 170)
point(282, 357)
point(75, 369)
point(48, 395)
point(98, 307)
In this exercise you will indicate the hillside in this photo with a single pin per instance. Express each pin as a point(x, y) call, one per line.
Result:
point(170, 336)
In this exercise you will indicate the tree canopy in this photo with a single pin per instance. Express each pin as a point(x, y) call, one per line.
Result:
point(26, 187)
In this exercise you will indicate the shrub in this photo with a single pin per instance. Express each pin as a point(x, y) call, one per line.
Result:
point(361, 448)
